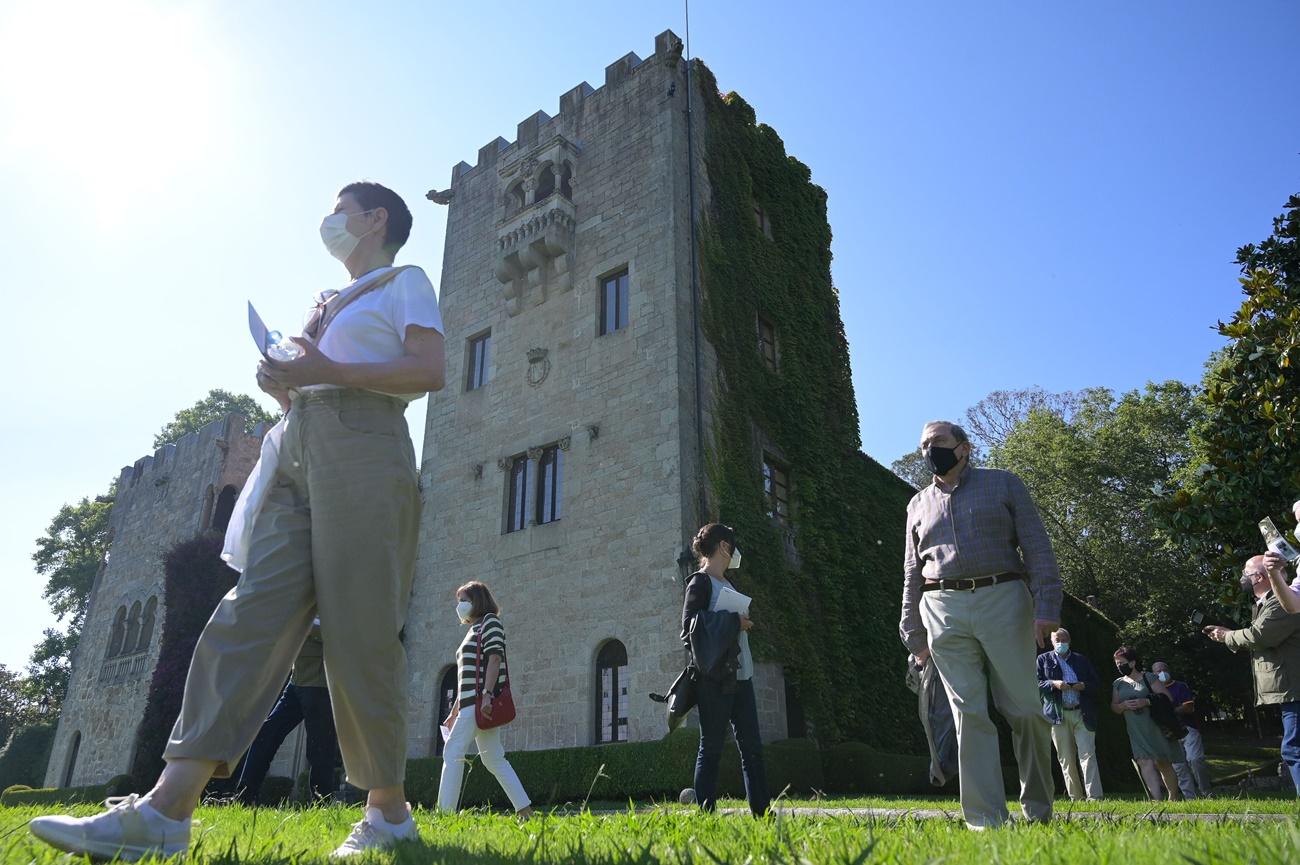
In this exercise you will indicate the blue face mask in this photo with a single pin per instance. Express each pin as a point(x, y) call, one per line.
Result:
point(1062, 649)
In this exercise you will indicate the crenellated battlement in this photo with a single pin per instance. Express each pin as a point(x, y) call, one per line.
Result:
point(156, 468)
point(541, 127)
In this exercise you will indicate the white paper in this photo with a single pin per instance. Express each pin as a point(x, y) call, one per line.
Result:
point(1276, 543)
point(261, 335)
point(446, 732)
point(732, 601)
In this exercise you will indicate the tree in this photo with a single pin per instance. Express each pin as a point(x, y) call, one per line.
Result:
point(215, 406)
point(1095, 476)
point(15, 707)
point(993, 418)
point(69, 556)
point(1247, 456)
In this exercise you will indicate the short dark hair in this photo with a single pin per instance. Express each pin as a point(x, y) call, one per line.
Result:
point(1129, 653)
point(371, 195)
point(707, 539)
point(480, 599)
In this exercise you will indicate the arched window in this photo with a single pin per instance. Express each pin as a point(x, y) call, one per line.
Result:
point(446, 699)
point(205, 522)
point(225, 507)
point(72, 758)
point(611, 692)
point(132, 630)
point(117, 635)
point(545, 184)
point(515, 199)
point(146, 625)
point(566, 180)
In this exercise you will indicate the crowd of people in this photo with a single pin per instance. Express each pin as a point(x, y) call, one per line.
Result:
point(325, 531)
point(981, 585)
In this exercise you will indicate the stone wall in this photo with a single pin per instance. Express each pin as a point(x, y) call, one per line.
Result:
point(160, 500)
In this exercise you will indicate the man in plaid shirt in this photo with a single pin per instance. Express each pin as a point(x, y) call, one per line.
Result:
point(980, 587)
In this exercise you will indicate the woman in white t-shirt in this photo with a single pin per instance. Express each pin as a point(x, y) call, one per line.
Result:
point(332, 535)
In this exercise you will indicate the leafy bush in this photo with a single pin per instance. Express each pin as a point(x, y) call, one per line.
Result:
point(855, 768)
point(26, 755)
point(16, 788)
point(195, 581)
point(91, 795)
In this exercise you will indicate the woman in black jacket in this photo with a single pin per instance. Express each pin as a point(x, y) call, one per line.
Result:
point(719, 643)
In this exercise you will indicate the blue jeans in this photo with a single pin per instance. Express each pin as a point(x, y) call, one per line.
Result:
point(739, 709)
point(1291, 741)
point(296, 705)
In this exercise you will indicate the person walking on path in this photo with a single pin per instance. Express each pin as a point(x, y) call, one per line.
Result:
point(331, 512)
point(980, 588)
point(1153, 754)
point(481, 657)
point(1069, 685)
point(304, 700)
point(1193, 772)
point(726, 692)
point(1273, 640)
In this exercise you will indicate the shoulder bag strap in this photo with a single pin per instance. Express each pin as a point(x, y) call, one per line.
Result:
point(331, 308)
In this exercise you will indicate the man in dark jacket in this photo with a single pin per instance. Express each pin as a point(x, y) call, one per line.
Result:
point(1273, 640)
point(1068, 683)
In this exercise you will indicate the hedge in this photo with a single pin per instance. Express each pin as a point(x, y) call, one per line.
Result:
point(91, 795)
point(26, 755)
point(852, 767)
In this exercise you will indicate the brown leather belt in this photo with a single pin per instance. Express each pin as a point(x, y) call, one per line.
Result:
point(969, 585)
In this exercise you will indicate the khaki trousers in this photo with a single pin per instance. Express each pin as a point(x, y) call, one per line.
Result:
point(1075, 742)
point(984, 639)
point(336, 539)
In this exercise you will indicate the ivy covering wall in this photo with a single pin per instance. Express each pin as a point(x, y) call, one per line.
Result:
point(830, 613)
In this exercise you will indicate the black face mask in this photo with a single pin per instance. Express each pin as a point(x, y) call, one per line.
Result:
point(1124, 669)
point(941, 460)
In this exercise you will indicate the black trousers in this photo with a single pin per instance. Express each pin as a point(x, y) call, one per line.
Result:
point(718, 708)
point(295, 706)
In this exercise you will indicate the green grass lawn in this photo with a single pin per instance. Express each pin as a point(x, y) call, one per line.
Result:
point(680, 835)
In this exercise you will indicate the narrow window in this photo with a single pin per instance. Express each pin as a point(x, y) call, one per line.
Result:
point(479, 348)
point(767, 343)
point(550, 484)
point(517, 503)
point(613, 303)
point(611, 686)
point(147, 625)
point(545, 184)
point(72, 759)
point(132, 630)
point(566, 181)
point(117, 635)
point(776, 491)
point(225, 507)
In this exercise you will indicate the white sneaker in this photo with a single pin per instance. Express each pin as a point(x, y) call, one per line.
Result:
point(128, 830)
point(375, 833)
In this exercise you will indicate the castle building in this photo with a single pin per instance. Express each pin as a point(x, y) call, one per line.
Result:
point(589, 426)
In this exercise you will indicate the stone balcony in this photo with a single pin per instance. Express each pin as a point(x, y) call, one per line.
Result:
point(534, 251)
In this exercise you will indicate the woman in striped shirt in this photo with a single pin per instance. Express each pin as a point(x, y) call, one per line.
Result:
point(477, 608)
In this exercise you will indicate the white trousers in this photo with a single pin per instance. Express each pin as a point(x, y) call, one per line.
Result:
point(455, 754)
point(1074, 741)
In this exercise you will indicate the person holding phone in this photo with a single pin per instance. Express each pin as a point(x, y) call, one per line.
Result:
point(1069, 684)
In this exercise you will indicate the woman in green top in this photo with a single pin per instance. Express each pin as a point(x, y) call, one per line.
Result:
point(1153, 754)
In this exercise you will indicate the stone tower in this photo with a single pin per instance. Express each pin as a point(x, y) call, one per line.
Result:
point(562, 462)
point(181, 490)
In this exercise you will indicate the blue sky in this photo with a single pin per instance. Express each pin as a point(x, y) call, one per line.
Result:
point(1020, 194)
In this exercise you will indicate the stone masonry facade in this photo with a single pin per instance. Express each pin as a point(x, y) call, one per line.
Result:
point(597, 415)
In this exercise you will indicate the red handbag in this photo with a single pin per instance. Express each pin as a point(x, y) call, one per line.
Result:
point(503, 703)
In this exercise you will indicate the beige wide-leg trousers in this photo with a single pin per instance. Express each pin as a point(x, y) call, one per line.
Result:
point(980, 639)
point(335, 538)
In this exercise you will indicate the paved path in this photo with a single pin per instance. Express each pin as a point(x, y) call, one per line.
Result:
point(1155, 815)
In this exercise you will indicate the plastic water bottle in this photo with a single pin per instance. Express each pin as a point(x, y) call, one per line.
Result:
point(281, 349)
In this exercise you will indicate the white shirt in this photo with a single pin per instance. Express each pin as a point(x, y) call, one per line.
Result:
point(372, 329)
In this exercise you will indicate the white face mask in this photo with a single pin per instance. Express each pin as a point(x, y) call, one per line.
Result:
point(463, 609)
point(735, 559)
point(338, 240)
point(1163, 676)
